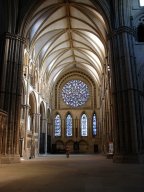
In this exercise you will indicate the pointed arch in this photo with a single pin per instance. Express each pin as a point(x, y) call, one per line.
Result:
point(84, 125)
point(32, 111)
point(69, 125)
point(33, 102)
point(57, 125)
point(42, 110)
point(83, 146)
point(60, 146)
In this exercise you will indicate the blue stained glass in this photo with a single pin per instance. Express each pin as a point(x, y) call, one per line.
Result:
point(57, 125)
point(68, 125)
point(84, 130)
point(75, 93)
point(94, 124)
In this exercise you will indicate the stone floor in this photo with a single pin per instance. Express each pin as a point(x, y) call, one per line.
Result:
point(79, 173)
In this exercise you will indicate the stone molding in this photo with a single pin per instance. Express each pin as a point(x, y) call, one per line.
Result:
point(3, 132)
point(8, 35)
point(123, 29)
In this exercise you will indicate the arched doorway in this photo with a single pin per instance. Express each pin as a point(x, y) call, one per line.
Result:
point(83, 146)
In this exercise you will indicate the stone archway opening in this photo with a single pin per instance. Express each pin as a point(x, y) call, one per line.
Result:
point(96, 38)
point(69, 36)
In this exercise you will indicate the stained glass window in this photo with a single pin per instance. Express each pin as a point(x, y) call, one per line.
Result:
point(75, 93)
point(69, 125)
point(94, 124)
point(57, 125)
point(141, 2)
point(84, 131)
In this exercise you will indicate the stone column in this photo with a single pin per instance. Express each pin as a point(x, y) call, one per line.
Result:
point(126, 99)
point(3, 135)
point(49, 127)
point(33, 123)
point(78, 128)
point(26, 111)
point(46, 132)
point(33, 135)
point(49, 135)
point(63, 129)
point(11, 49)
point(75, 128)
point(26, 126)
point(38, 131)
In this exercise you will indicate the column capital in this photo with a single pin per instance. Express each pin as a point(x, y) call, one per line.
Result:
point(37, 114)
point(8, 35)
point(25, 106)
point(3, 113)
point(122, 29)
point(33, 114)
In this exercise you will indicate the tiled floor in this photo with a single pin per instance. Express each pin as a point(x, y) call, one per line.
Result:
point(79, 173)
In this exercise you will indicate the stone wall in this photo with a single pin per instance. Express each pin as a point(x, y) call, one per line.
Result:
point(3, 135)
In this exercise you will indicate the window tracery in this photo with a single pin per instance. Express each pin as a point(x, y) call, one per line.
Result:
point(69, 125)
point(57, 125)
point(75, 93)
point(84, 128)
point(94, 127)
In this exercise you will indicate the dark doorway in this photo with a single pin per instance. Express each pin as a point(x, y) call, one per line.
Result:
point(48, 144)
point(95, 148)
point(42, 143)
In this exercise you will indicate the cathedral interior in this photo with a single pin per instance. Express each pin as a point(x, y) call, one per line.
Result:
point(72, 77)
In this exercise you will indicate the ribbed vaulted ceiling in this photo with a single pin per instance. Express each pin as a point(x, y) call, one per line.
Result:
point(68, 34)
